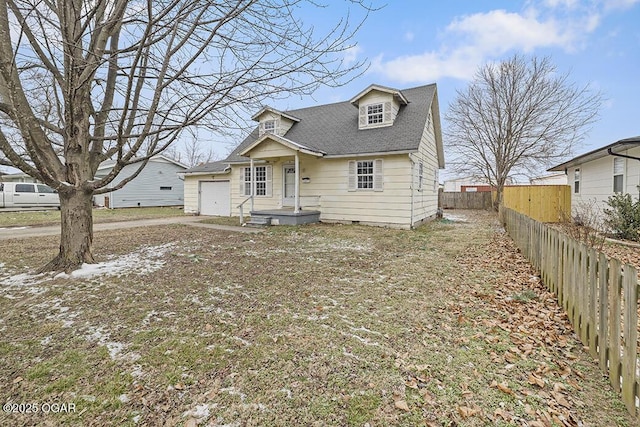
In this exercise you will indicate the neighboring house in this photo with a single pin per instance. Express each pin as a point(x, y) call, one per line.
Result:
point(374, 160)
point(552, 179)
point(17, 177)
point(158, 184)
point(455, 185)
point(470, 184)
point(598, 174)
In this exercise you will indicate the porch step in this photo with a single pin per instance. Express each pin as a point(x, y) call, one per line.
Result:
point(259, 221)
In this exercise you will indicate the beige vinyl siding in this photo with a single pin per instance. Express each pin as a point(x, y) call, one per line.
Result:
point(425, 199)
point(329, 179)
point(269, 149)
point(191, 184)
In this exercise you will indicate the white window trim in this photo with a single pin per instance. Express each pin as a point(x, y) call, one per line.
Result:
point(263, 127)
point(378, 175)
point(268, 181)
point(578, 181)
point(420, 175)
point(621, 173)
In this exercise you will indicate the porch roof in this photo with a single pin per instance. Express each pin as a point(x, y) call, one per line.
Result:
point(292, 145)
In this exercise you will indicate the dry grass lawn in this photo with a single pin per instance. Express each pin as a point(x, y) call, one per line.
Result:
point(321, 325)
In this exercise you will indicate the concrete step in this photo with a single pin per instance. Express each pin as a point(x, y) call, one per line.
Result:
point(259, 221)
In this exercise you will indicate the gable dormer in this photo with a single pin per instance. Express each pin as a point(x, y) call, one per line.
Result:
point(273, 121)
point(378, 106)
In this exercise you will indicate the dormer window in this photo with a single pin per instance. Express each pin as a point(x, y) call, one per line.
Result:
point(269, 126)
point(375, 114)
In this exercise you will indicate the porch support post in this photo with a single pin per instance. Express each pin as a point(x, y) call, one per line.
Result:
point(253, 181)
point(296, 203)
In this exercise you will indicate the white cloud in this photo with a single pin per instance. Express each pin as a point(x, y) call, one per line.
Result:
point(351, 55)
point(474, 39)
point(619, 4)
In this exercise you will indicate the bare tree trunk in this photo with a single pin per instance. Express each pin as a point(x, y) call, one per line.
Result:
point(76, 235)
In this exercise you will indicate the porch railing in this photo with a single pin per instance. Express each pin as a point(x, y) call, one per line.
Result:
point(241, 207)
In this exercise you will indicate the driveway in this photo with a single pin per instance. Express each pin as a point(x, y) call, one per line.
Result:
point(23, 232)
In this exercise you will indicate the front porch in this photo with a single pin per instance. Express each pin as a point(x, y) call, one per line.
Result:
point(284, 216)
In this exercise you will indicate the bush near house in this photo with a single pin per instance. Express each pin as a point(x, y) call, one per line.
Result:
point(623, 217)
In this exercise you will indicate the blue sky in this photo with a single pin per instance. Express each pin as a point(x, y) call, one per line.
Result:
point(415, 42)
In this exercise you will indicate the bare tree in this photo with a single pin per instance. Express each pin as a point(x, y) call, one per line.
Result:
point(82, 82)
point(517, 116)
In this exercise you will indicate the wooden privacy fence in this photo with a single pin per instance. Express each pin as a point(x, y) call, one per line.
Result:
point(544, 203)
point(599, 295)
point(465, 200)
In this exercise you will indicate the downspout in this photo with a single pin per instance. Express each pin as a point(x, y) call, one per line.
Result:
point(296, 202)
point(413, 166)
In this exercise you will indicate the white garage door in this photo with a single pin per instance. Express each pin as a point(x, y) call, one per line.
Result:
point(215, 198)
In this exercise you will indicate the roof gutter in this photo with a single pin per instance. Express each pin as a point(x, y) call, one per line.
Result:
point(610, 151)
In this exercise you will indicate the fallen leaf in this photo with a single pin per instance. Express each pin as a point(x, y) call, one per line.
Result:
point(17, 380)
point(535, 380)
point(503, 387)
point(402, 404)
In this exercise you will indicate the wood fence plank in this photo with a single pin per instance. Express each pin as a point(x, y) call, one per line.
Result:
point(592, 321)
point(603, 328)
point(614, 323)
point(630, 334)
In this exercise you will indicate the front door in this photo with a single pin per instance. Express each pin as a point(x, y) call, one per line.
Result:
point(289, 190)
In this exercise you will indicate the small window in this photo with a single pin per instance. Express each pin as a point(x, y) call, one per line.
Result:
point(375, 114)
point(166, 188)
point(270, 126)
point(420, 175)
point(576, 181)
point(618, 175)
point(25, 188)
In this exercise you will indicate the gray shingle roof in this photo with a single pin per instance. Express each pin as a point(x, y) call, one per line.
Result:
point(597, 153)
point(213, 167)
point(333, 128)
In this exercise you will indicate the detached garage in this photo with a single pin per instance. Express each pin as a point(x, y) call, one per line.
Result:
point(207, 190)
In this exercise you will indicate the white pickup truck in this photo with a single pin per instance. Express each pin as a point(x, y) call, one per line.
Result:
point(27, 195)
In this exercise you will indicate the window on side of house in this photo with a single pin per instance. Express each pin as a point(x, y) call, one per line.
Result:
point(576, 181)
point(375, 114)
point(365, 175)
point(420, 175)
point(263, 181)
point(165, 188)
point(618, 175)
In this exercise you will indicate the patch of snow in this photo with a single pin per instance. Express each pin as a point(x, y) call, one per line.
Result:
point(233, 392)
point(199, 412)
point(114, 348)
point(455, 218)
point(243, 341)
point(123, 398)
point(46, 340)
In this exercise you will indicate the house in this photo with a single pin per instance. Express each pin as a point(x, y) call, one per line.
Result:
point(158, 184)
point(17, 177)
point(598, 174)
point(374, 159)
point(456, 184)
point(551, 179)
